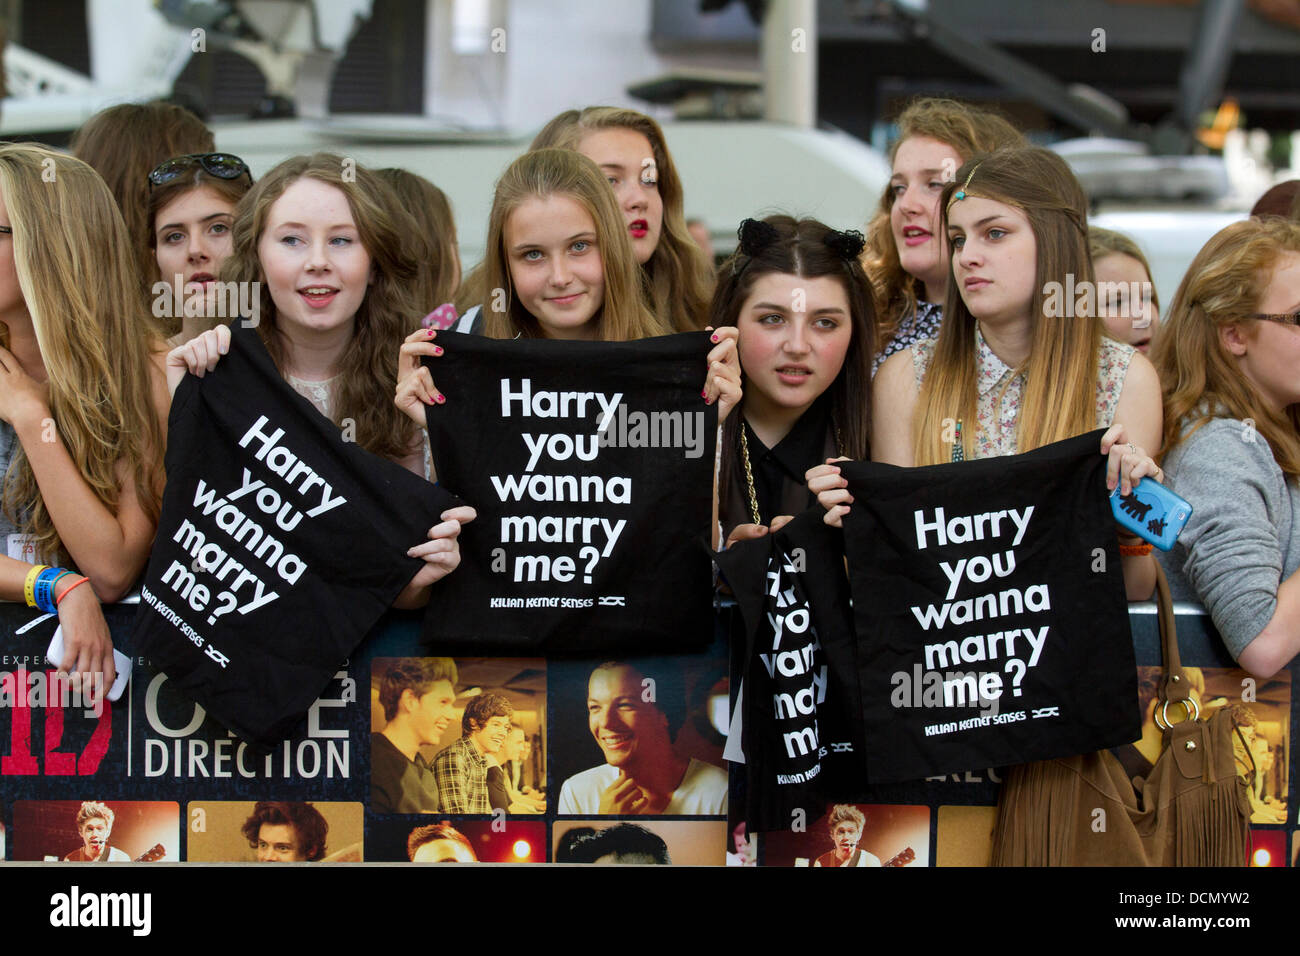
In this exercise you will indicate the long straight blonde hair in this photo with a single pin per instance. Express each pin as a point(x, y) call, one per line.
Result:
point(1059, 397)
point(74, 262)
point(540, 174)
point(679, 280)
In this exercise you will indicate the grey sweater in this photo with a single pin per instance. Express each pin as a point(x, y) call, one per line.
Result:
point(1243, 538)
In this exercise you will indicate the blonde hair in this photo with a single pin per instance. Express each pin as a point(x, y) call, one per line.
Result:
point(1198, 377)
point(386, 314)
point(969, 131)
point(123, 144)
point(1059, 397)
point(540, 174)
point(679, 276)
point(1108, 242)
point(73, 260)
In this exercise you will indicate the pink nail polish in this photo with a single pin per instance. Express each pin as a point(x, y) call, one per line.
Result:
point(437, 350)
point(713, 337)
point(441, 399)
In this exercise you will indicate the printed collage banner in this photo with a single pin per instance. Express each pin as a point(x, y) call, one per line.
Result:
point(173, 777)
point(275, 549)
point(591, 467)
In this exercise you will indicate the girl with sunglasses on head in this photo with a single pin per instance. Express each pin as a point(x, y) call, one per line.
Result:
point(334, 279)
point(907, 251)
point(83, 401)
point(802, 306)
point(1010, 370)
point(192, 202)
point(1229, 361)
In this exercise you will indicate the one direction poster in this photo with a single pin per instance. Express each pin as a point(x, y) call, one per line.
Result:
point(280, 544)
point(591, 467)
point(990, 611)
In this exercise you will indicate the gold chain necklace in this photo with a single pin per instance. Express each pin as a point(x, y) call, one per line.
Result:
point(749, 473)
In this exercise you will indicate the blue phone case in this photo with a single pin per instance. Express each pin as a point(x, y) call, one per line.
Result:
point(1152, 512)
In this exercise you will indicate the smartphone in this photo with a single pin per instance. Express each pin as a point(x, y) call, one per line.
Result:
point(54, 656)
point(1152, 512)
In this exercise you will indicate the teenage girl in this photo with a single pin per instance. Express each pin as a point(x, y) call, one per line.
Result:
point(561, 266)
point(907, 251)
point(802, 305)
point(82, 401)
point(1126, 296)
point(1009, 370)
point(333, 276)
point(192, 202)
point(1227, 360)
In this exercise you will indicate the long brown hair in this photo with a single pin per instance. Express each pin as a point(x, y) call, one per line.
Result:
point(230, 190)
point(123, 144)
point(1059, 398)
point(387, 313)
point(679, 279)
point(539, 174)
point(78, 281)
point(1198, 377)
point(431, 214)
point(800, 249)
point(969, 131)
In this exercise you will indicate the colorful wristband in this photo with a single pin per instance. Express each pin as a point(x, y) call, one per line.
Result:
point(69, 589)
point(43, 591)
point(29, 586)
point(1134, 550)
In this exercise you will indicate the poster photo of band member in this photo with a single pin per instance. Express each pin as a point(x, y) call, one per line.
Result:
point(272, 831)
point(640, 737)
point(642, 843)
point(442, 840)
point(856, 835)
point(95, 831)
point(458, 735)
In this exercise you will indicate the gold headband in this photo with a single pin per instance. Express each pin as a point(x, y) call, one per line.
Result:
point(961, 193)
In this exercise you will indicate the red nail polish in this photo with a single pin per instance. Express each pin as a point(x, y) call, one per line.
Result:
point(713, 337)
point(441, 399)
point(704, 393)
point(430, 332)
point(437, 350)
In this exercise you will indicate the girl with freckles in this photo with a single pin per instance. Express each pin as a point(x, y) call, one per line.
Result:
point(1008, 374)
point(333, 281)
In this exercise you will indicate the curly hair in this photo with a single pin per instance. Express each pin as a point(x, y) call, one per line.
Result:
point(308, 825)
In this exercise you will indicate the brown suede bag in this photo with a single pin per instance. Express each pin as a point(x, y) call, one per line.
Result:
point(1192, 809)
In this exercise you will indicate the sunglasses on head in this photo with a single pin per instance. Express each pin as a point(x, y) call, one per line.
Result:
point(220, 165)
